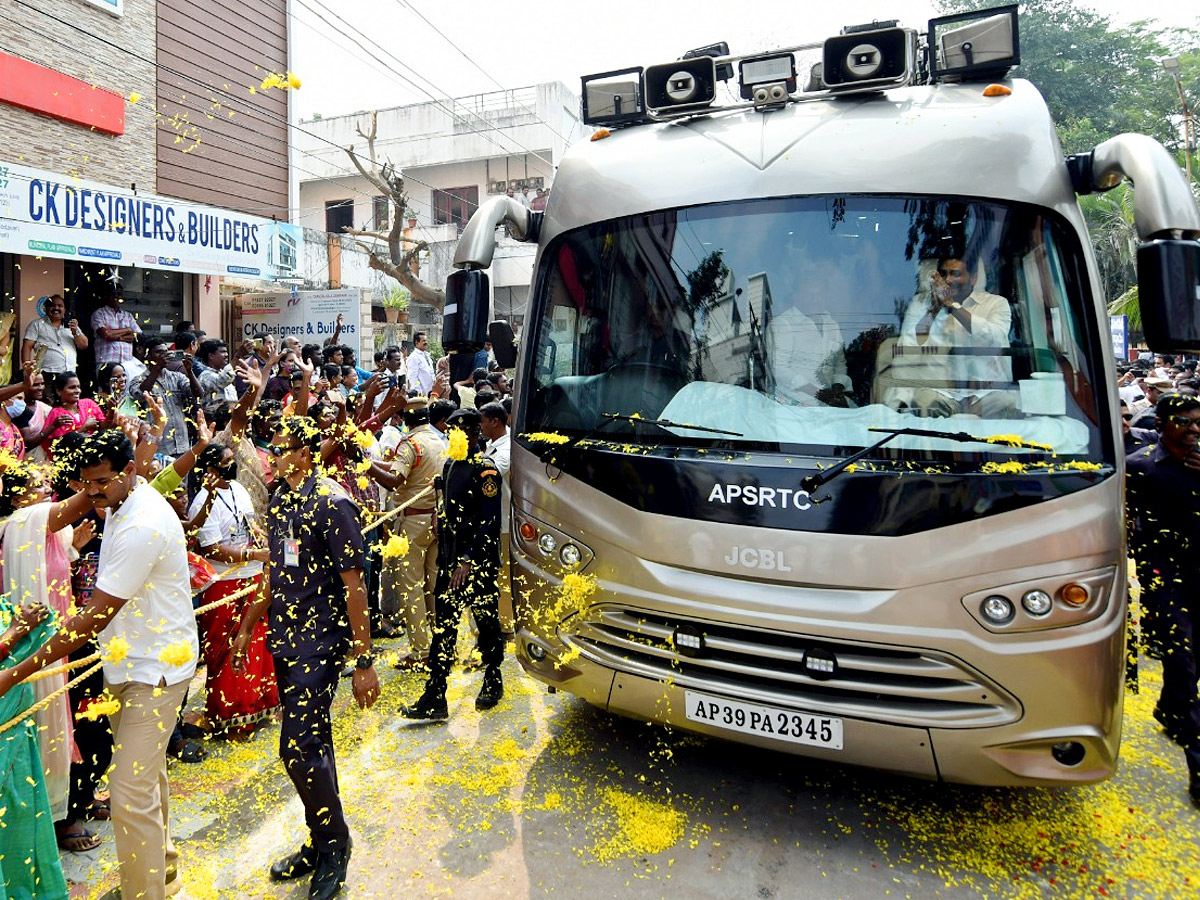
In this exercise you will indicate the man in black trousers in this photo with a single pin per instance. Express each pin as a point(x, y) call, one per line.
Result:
point(1163, 496)
point(468, 571)
point(318, 613)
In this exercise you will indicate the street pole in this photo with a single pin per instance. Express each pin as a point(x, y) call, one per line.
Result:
point(1172, 66)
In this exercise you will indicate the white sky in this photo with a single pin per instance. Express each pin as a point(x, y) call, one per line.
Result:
point(519, 44)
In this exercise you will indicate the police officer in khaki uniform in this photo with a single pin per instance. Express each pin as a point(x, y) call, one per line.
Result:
point(418, 460)
point(468, 571)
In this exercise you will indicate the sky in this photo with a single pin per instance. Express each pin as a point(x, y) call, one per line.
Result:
point(391, 53)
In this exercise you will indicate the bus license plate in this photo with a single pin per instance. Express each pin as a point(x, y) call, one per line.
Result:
point(764, 721)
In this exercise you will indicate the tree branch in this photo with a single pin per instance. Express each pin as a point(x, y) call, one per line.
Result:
point(401, 251)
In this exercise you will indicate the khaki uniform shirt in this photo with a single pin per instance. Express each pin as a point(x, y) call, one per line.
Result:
point(419, 458)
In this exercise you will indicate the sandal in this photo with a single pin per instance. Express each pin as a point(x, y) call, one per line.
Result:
point(78, 841)
point(100, 811)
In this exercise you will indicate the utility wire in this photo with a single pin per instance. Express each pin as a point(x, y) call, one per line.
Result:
point(436, 100)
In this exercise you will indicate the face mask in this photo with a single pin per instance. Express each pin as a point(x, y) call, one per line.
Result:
point(15, 408)
point(229, 472)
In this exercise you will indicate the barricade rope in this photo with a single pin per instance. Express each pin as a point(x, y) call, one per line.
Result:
point(49, 698)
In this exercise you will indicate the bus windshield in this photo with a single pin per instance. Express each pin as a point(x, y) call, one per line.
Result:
point(800, 324)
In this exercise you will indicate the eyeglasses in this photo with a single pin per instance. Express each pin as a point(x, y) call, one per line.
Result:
point(1184, 421)
point(1128, 417)
point(278, 450)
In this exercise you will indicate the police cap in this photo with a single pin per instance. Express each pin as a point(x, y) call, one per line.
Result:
point(465, 418)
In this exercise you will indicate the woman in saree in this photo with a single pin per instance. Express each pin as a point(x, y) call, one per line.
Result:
point(29, 865)
point(37, 541)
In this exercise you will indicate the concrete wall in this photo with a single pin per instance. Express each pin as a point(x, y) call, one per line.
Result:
point(37, 140)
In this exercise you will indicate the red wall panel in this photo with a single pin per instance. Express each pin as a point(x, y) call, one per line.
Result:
point(52, 93)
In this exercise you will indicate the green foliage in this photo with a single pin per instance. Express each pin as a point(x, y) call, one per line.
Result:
point(1114, 237)
point(1098, 79)
point(397, 297)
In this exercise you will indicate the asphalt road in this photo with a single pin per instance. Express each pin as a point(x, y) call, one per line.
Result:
point(547, 797)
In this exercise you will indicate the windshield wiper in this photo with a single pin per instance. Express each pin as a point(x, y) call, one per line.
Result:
point(667, 423)
point(811, 483)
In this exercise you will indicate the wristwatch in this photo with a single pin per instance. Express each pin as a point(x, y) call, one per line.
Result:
point(956, 305)
point(365, 661)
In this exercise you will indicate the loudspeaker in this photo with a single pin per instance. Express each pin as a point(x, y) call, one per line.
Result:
point(869, 60)
point(685, 84)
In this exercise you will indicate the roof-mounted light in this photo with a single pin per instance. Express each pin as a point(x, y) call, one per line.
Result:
point(613, 98)
point(975, 46)
point(768, 80)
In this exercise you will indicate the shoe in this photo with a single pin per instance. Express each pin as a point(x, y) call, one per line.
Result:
point(173, 884)
point(348, 672)
point(330, 874)
point(431, 707)
point(1194, 787)
point(295, 865)
point(492, 690)
point(1170, 724)
point(411, 663)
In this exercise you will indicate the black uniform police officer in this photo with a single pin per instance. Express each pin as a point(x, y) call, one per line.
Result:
point(318, 612)
point(468, 571)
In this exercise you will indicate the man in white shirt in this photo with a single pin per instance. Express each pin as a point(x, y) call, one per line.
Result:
point(141, 610)
point(420, 365)
point(953, 315)
point(494, 427)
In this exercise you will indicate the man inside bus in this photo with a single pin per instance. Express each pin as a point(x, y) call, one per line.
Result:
point(954, 316)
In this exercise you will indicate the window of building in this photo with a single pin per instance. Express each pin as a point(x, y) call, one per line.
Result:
point(339, 214)
point(455, 205)
point(379, 209)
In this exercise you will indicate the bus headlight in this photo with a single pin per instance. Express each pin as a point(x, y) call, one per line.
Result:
point(547, 544)
point(569, 555)
point(997, 609)
point(1037, 603)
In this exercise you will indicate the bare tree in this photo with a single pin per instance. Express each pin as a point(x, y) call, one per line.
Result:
point(401, 251)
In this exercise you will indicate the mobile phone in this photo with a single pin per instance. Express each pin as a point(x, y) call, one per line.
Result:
point(175, 356)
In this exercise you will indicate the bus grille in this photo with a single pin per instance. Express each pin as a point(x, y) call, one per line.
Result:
point(907, 687)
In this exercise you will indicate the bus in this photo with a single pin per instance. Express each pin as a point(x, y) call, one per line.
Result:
point(815, 444)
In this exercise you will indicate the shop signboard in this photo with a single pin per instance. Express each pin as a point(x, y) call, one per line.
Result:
point(46, 214)
point(308, 316)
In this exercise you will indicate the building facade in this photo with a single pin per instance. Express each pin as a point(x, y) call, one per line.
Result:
point(454, 154)
point(142, 150)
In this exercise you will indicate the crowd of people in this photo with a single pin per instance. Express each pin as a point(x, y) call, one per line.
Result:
point(268, 513)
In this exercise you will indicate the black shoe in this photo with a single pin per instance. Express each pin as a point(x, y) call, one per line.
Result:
point(1171, 725)
point(1194, 787)
point(492, 690)
point(330, 874)
point(295, 865)
point(431, 707)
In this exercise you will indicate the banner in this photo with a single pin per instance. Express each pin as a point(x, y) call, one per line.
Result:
point(1119, 327)
point(45, 214)
point(308, 316)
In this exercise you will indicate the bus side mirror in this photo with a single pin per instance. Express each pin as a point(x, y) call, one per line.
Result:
point(468, 307)
point(1169, 294)
point(504, 344)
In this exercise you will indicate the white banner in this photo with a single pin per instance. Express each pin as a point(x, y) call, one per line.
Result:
point(308, 316)
point(45, 214)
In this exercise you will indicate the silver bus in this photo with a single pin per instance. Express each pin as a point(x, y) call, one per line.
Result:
point(815, 444)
